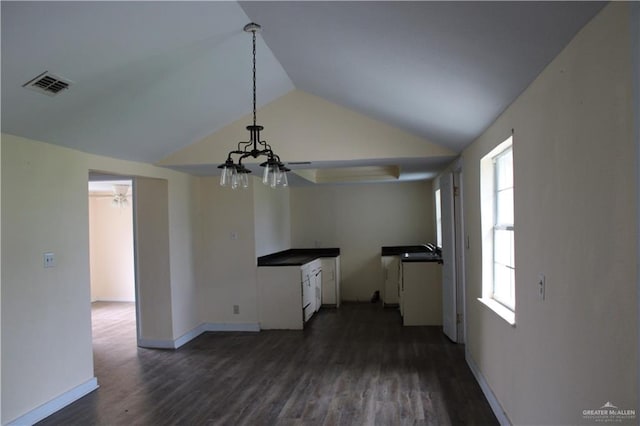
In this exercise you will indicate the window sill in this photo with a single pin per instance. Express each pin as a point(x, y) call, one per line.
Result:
point(502, 311)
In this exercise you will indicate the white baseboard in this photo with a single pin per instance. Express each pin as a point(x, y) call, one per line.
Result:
point(57, 403)
point(192, 334)
point(188, 336)
point(226, 326)
point(488, 393)
point(156, 344)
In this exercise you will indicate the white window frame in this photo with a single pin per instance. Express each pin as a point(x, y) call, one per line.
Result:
point(504, 307)
point(438, 209)
point(502, 226)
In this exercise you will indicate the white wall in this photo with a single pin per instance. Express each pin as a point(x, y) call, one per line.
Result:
point(153, 262)
point(272, 218)
point(47, 311)
point(360, 219)
point(574, 159)
point(111, 250)
point(331, 133)
point(226, 261)
point(183, 231)
point(635, 70)
point(0, 286)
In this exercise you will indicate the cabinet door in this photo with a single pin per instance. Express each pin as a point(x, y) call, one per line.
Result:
point(308, 297)
point(311, 293)
point(391, 274)
point(328, 282)
point(384, 264)
point(401, 294)
point(337, 279)
point(422, 302)
point(318, 289)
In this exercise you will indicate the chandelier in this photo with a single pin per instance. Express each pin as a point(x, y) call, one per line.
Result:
point(234, 173)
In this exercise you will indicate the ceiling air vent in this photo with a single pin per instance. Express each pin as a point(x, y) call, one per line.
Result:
point(48, 84)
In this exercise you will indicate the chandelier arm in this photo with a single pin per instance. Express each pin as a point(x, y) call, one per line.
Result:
point(245, 143)
point(245, 155)
point(240, 166)
point(238, 152)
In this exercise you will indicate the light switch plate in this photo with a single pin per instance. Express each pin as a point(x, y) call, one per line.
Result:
point(542, 282)
point(48, 259)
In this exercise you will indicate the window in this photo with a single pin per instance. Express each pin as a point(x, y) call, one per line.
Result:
point(503, 264)
point(497, 213)
point(438, 219)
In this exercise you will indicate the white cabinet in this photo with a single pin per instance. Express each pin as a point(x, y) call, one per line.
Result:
point(421, 293)
point(289, 295)
point(308, 291)
point(391, 280)
point(317, 287)
point(331, 281)
point(281, 297)
point(312, 282)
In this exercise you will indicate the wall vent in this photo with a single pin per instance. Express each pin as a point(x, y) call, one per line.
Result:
point(48, 84)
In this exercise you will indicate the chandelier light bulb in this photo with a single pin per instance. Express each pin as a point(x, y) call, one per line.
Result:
point(265, 175)
point(244, 178)
point(224, 177)
point(234, 179)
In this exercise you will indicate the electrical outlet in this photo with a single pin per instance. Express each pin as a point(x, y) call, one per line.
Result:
point(49, 260)
point(542, 282)
point(236, 309)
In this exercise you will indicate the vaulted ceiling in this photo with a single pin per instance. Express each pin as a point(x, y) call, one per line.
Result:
point(150, 79)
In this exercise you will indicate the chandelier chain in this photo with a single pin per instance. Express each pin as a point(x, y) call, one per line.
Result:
point(254, 77)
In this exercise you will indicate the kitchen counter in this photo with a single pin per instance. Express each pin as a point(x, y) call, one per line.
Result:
point(421, 257)
point(296, 257)
point(414, 253)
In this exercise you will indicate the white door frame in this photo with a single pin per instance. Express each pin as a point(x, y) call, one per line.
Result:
point(114, 176)
point(449, 269)
point(460, 250)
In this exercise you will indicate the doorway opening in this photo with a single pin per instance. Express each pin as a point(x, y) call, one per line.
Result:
point(112, 265)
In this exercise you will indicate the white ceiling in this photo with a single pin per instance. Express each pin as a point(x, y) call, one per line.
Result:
point(153, 77)
point(441, 70)
point(149, 77)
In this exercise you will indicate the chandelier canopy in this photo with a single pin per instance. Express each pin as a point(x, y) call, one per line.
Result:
point(234, 173)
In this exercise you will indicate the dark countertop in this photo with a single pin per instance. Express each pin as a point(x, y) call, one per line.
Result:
point(421, 257)
point(296, 257)
point(398, 250)
point(414, 253)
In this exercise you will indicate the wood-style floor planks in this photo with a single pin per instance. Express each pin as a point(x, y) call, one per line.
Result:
point(351, 366)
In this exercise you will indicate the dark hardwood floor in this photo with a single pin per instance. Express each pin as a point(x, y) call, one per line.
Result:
point(352, 366)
